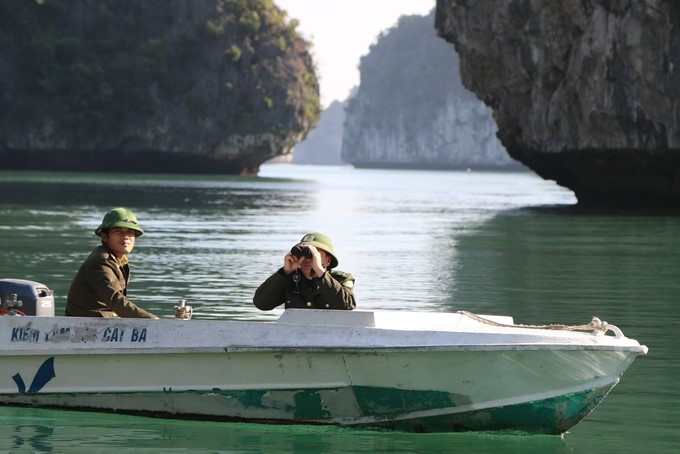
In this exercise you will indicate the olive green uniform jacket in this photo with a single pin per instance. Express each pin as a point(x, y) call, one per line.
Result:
point(333, 290)
point(100, 288)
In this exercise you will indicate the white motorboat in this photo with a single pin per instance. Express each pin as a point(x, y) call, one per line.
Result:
point(409, 371)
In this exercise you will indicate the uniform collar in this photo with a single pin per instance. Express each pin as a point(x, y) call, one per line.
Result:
point(122, 262)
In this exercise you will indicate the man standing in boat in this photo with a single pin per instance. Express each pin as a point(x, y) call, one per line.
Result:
point(307, 279)
point(99, 289)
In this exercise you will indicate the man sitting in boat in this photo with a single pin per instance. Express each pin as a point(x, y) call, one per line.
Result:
point(307, 279)
point(99, 289)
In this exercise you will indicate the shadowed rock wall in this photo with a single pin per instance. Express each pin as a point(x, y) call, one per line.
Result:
point(586, 93)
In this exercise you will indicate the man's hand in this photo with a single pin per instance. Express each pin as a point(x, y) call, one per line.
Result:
point(291, 263)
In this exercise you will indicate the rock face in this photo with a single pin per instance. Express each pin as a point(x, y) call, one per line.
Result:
point(323, 145)
point(584, 93)
point(411, 110)
point(216, 86)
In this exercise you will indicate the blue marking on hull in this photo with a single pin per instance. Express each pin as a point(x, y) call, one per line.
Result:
point(42, 377)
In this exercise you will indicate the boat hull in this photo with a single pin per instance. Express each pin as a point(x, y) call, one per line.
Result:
point(551, 416)
point(282, 372)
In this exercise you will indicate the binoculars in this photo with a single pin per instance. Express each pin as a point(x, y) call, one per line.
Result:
point(300, 251)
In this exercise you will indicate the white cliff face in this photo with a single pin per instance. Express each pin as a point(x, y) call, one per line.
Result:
point(465, 133)
point(461, 133)
point(412, 111)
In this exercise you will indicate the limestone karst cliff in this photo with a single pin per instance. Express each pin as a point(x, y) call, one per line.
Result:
point(323, 145)
point(411, 111)
point(215, 86)
point(584, 93)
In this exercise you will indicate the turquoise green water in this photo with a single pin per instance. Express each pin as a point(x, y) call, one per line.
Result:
point(509, 244)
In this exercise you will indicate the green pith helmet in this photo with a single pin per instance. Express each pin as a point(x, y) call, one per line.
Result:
point(121, 218)
point(321, 241)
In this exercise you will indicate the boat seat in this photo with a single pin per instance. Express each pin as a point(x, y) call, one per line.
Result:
point(327, 317)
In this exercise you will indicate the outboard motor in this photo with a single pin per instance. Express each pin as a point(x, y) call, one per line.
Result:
point(21, 297)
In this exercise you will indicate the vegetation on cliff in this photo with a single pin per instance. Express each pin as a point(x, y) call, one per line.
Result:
point(229, 80)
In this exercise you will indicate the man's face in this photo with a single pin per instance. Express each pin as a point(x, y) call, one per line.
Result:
point(307, 263)
point(119, 241)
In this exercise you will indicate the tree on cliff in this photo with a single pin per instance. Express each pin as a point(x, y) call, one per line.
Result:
point(203, 85)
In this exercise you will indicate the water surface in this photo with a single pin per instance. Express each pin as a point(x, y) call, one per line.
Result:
point(505, 243)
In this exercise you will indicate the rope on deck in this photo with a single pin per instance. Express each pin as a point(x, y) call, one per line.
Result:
point(596, 326)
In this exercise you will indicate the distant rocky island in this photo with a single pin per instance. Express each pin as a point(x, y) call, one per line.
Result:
point(323, 145)
point(584, 93)
point(206, 86)
point(411, 110)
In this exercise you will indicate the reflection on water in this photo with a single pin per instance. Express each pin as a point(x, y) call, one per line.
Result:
point(486, 242)
point(25, 430)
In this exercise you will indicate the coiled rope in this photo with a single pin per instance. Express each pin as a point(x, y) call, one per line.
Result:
point(596, 326)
